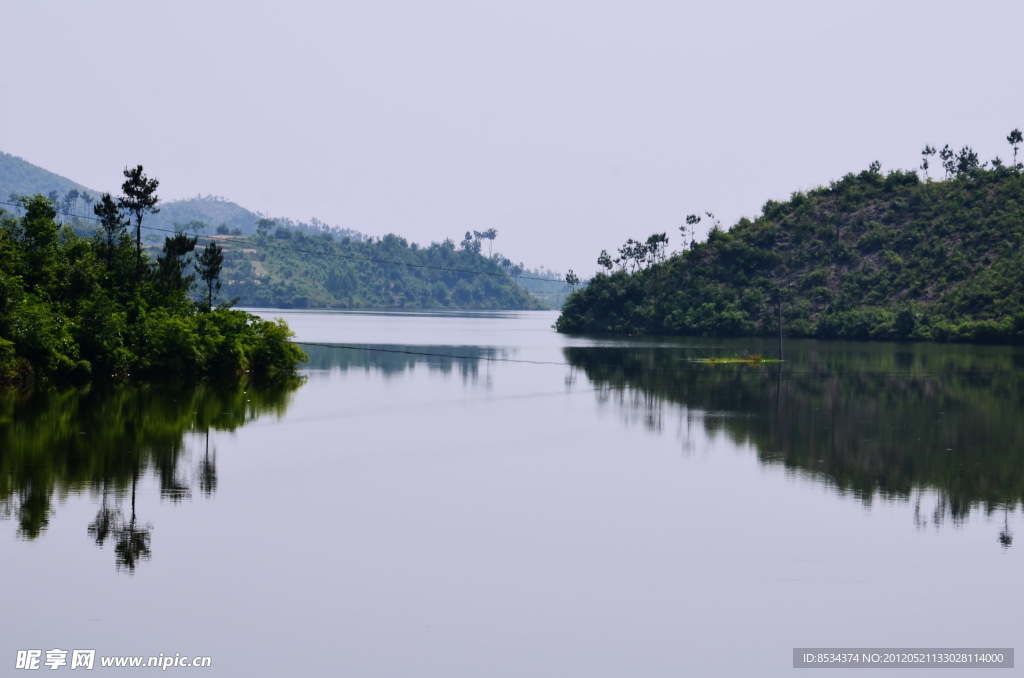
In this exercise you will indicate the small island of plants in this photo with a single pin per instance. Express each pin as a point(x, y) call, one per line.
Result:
point(75, 308)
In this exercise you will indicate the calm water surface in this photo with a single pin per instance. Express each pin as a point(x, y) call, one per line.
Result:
point(475, 495)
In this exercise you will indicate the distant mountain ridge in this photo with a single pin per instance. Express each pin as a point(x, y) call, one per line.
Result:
point(18, 177)
point(288, 264)
point(210, 210)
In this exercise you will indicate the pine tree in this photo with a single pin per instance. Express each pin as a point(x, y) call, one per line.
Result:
point(139, 197)
point(208, 265)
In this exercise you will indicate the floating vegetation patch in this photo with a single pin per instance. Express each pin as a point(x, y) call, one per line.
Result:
point(751, 359)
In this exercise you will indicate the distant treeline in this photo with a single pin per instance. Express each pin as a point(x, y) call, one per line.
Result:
point(353, 270)
point(285, 268)
point(871, 256)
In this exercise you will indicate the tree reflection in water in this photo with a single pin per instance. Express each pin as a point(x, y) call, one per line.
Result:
point(396, 359)
point(104, 441)
point(936, 421)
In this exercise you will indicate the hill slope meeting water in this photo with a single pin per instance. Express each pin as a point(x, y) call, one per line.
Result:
point(887, 256)
point(292, 264)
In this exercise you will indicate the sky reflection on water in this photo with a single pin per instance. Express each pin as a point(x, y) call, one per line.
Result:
point(588, 512)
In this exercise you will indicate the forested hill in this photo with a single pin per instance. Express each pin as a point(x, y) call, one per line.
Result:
point(286, 268)
point(289, 264)
point(21, 178)
point(203, 214)
point(871, 256)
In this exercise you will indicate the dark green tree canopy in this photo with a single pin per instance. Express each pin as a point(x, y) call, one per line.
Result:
point(68, 311)
point(113, 224)
point(171, 266)
point(870, 256)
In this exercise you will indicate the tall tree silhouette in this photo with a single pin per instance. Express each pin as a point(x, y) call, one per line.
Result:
point(928, 151)
point(208, 469)
point(132, 543)
point(107, 519)
point(139, 197)
point(1015, 140)
point(208, 265)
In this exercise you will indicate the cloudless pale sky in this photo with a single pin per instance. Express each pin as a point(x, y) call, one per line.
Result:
point(569, 126)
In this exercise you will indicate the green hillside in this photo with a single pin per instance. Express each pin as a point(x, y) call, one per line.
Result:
point(871, 256)
point(289, 264)
point(287, 268)
point(21, 178)
point(209, 211)
point(201, 214)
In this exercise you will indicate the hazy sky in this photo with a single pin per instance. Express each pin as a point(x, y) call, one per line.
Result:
point(568, 126)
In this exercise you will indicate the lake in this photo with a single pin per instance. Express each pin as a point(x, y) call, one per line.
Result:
point(472, 494)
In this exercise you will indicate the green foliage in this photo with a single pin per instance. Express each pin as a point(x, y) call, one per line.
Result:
point(113, 233)
point(172, 282)
point(72, 308)
point(328, 267)
point(287, 268)
point(269, 349)
point(14, 369)
point(872, 256)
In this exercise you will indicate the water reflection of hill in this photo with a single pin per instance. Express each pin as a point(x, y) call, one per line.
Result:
point(395, 359)
point(864, 419)
point(103, 441)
